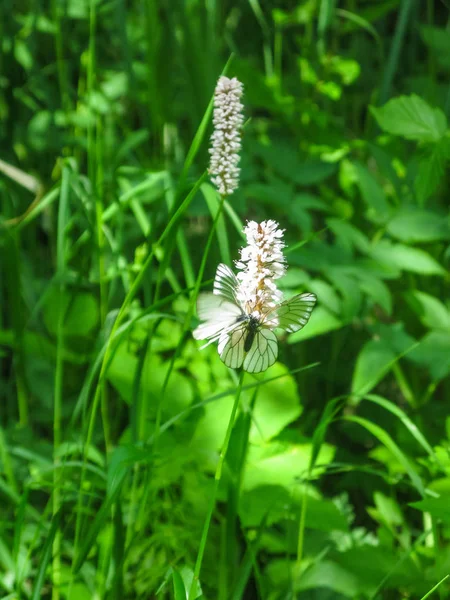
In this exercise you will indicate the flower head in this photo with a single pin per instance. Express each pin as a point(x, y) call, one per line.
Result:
point(262, 262)
point(226, 139)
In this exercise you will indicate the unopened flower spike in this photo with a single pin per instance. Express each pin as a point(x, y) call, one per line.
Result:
point(226, 138)
point(243, 310)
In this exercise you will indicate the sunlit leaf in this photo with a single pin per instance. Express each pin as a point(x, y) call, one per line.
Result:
point(321, 321)
point(277, 405)
point(411, 117)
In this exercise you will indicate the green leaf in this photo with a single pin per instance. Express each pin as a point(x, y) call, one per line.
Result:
point(434, 353)
point(398, 412)
point(431, 171)
point(348, 235)
point(80, 312)
point(438, 40)
point(331, 410)
point(121, 462)
point(432, 312)
point(328, 574)
point(179, 590)
point(373, 362)
point(122, 370)
point(434, 588)
point(372, 193)
point(376, 289)
point(438, 508)
point(388, 509)
point(374, 563)
point(277, 405)
point(345, 282)
point(406, 258)
point(415, 225)
point(412, 118)
point(187, 575)
point(270, 502)
point(321, 321)
point(284, 158)
point(281, 464)
point(327, 294)
point(389, 443)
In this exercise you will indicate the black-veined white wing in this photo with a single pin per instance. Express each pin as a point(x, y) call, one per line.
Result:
point(226, 283)
point(263, 352)
point(231, 347)
point(292, 314)
point(219, 315)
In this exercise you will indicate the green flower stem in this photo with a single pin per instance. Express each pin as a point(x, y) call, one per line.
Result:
point(188, 317)
point(212, 503)
point(59, 378)
point(134, 288)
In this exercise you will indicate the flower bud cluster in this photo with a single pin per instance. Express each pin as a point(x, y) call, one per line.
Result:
point(261, 263)
point(226, 139)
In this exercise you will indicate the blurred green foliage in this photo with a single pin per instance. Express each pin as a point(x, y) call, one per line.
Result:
point(337, 479)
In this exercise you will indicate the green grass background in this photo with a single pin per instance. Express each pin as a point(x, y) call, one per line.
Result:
point(336, 483)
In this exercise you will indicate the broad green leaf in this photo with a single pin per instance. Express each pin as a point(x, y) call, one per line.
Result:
point(321, 321)
point(275, 192)
point(327, 294)
point(285, 160)
point(80, 312)
point(434, 353)
point(372, 564)
point(344, 281)
point(121, 374)
point(431, 311)
point(372, 193)
point(348, 235)
point(415, 225)
point(310, 201)
point(375, 288)
point(312, 172)
point(388, 509)
point(187, 575)
point(395, 336)
point(281, 464)
point(437, 507)
point(328, 574)
point(412, 118)
point(269, 503)
point(373, 362)
point(406, 258)
point(431, 171)
point(210, 431)
point(277, 405)
point(179, 591)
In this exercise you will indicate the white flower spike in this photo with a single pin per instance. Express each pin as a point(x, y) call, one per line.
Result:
point(243, 310)
point(226, 139)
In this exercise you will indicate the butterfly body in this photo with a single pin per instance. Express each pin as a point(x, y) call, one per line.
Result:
point(252, 329)
point(246, 340)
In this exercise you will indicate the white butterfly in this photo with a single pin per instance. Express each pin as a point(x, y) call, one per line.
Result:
point(245, 340)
